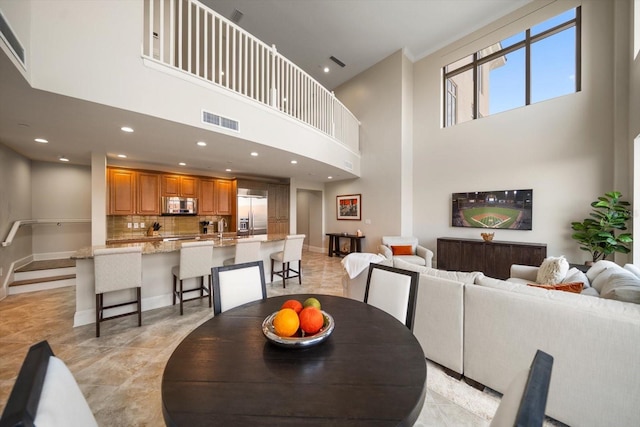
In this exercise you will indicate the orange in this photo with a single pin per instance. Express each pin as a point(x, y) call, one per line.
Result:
point(286, 322)
point(311, 320)
point(293, 304)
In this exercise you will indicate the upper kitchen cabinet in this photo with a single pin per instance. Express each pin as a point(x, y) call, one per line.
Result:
point(225, 196)
point(122, 190)
point(179, 185)
point(217, 197)
point(133, 192)
point(148, 193)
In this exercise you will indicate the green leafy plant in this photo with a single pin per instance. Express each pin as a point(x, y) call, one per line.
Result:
point(596, 235)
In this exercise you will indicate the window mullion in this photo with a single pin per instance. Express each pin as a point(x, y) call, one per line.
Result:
point(527, 68)
point(475, 86)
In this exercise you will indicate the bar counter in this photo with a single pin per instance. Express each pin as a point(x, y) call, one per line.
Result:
point(158, 257)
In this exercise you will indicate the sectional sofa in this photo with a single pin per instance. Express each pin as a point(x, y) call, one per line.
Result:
point(487, 330)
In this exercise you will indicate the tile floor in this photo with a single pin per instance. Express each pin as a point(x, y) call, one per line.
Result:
point(120, 373)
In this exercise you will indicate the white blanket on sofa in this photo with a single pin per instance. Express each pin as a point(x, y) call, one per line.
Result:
point(356, 262)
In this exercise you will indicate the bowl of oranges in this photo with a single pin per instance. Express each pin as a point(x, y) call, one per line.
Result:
point(298, 324)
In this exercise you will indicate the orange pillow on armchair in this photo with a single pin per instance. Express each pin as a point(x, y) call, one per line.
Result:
point(575, 287)
point(402, 250)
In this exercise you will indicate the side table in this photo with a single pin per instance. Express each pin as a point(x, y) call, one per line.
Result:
point(334, 243)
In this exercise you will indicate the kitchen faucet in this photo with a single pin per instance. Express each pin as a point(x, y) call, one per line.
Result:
point(222, 223)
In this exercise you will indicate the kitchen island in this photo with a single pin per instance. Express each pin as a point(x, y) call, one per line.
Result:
point(158, 257)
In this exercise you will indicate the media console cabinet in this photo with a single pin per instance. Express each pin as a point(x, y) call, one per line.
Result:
point(493, 258)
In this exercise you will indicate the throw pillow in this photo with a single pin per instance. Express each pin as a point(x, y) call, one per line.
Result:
point(622, 287)
point(402, 250)
point(552, 270)
point(575, 287)
point(575, 275)
point(633, 268)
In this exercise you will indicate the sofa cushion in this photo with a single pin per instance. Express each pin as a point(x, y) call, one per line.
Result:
point(605, 275)
point(633, 268)
point(590, 292)
point(402, 249)
point(575, 275)
point(411, 259)
point(598, 267)
point(552, 270)
point(575, 287)
point(622, 287)
point(458, 276)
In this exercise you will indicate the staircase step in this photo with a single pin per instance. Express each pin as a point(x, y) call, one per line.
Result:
point(47, 264)
point(39, 284)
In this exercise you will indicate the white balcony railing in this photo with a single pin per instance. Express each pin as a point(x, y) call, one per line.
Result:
point(191, 37)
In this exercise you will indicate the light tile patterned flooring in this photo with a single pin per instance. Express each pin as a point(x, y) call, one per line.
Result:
point(120, 373)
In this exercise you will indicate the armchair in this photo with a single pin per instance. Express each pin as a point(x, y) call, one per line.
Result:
point(406, 248)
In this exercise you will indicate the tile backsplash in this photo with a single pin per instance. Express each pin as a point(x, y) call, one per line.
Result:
point(117, 225)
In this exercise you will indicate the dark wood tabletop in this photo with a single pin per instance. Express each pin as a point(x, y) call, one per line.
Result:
point(370, 372)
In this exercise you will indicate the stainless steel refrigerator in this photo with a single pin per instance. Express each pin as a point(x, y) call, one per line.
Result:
point(252, 212)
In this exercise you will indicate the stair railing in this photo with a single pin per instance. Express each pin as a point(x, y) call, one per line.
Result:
point(19, 223)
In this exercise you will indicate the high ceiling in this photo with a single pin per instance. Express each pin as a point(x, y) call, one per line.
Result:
point(357, 32)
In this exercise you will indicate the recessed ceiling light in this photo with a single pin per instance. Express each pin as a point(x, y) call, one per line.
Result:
point(330, 177)
point(294, 162)
point(126, 129)
point(41, 140)
point(63, 159)
point(254, 154)
point(122, 156)
point(201, 143)
point(326, 69)
point(182, 164)
point(227, 170)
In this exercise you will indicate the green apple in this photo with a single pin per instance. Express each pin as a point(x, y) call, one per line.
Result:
point(311, 302)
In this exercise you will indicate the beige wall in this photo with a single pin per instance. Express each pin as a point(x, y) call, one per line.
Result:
point(375, 97)
point(15, 204)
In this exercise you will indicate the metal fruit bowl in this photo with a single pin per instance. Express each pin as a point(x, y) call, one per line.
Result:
point(298, 341)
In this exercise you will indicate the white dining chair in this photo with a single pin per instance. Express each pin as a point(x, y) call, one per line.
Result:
point(45, 394)
point(237, 284)
point(117, 269)
point(247, 250)
point(195, 262)
point(393, 290)
point(292, 251)
point(524, 402)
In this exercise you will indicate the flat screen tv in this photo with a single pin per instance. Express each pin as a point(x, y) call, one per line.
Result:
point(505, 209)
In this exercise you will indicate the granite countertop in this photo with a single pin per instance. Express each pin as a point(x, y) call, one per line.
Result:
point(155, 245)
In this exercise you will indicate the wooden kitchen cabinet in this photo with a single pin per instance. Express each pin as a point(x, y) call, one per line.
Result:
point(278, 208)
point(148, 190)
point(121, 191)
point(179, 185)
point(217, 197)
point(493, 258)
point(133, 192)
point(224, 195)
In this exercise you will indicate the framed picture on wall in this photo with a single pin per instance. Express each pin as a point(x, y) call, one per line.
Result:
point(349, 207)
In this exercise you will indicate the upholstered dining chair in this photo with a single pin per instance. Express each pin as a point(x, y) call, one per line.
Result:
point(237, 284)
point(247, 250)
point(524, 402)
point(292, 252)
point(195, 262)
point(117, 269)
point(393, 290)
point(45, 394)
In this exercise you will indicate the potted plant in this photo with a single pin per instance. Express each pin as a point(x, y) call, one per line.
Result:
point(596, 235)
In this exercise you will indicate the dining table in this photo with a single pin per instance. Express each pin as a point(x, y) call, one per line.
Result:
point(370, 371)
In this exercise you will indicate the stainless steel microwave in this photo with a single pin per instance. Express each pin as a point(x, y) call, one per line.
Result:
point(179, 206)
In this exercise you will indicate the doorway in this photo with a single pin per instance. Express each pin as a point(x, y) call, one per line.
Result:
point(309, 218)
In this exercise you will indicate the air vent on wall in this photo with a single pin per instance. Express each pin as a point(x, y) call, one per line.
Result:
point(10, 39)
point(348, 165)
point(216, 120)
point(236, 16)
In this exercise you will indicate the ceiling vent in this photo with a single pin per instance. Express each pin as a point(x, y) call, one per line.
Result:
point(223, 122)
point(337, 61)
point(10, 39)
point(236, 16)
